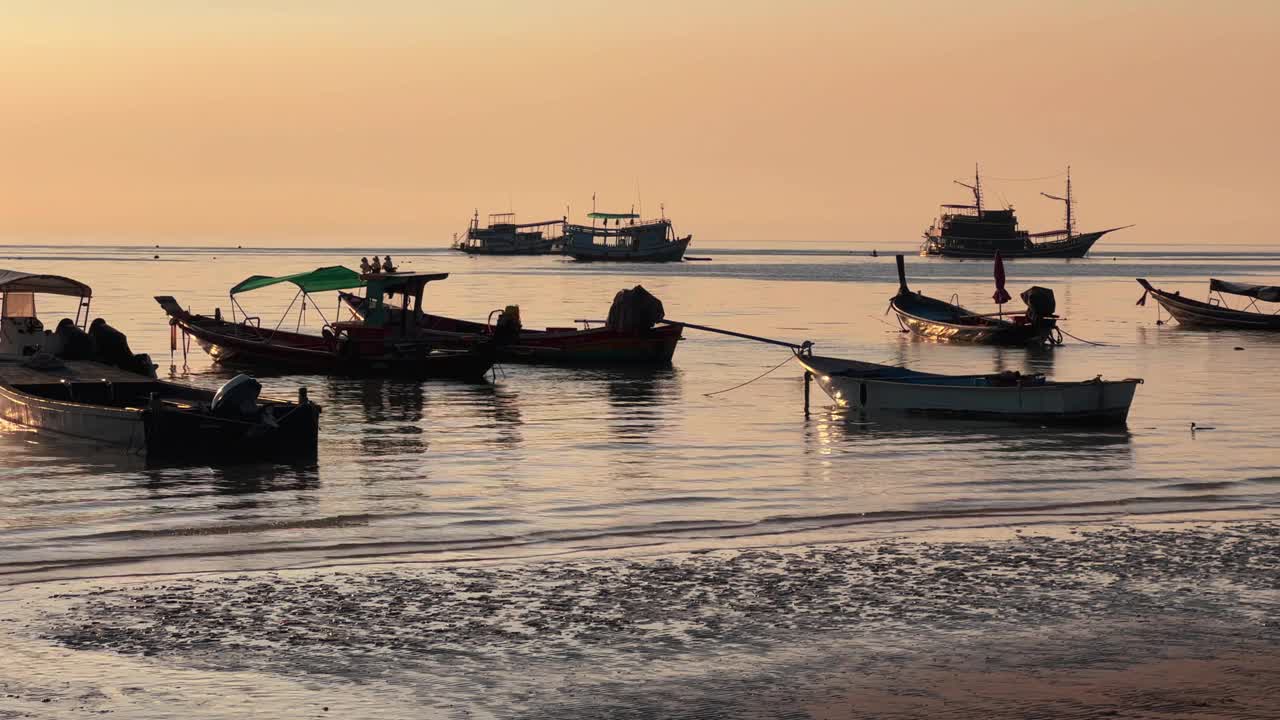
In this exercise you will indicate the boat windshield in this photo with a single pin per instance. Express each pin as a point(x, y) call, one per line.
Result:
point(19, 305)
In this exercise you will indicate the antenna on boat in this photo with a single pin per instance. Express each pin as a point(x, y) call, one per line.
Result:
point(1069, 201)
point(639, 198)
point(976, 187)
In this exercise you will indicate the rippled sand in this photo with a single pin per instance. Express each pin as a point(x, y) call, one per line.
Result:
point(1123, 621)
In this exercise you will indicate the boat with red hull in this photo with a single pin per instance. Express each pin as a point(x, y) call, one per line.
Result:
point(587, 346)
point(378, 344)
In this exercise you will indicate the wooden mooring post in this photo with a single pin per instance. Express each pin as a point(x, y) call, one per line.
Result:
point(808, 378)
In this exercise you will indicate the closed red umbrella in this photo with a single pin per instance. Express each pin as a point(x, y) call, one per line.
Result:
point(1001, 296)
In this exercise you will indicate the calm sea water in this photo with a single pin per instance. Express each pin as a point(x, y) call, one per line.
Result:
point(546, 460)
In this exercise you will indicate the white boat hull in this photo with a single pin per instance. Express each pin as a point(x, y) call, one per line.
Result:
point(851, 385)
point(120, 427)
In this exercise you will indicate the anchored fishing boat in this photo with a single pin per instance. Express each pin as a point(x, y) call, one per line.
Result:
point(939, 320)
point(973, 231)
point(380, 343)
point(876, 388)
point(1214, 312)
point(87, 384)
point(643, 241)
point(504, 236)
point(626, 338)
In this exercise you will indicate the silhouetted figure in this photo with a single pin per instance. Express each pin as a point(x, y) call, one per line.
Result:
point(112, 348)
point(377, 265)
point(387, 266)
point(365, 267)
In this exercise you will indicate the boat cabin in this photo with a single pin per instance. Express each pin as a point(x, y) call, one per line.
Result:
point(378, 323)
point(403, 319)
point(625, 233)
point(504, 235)
point(22, 334)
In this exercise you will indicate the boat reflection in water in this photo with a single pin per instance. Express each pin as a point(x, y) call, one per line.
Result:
point(391, 411)
point(497, 407)
point(638, 402)
point(1006, 444)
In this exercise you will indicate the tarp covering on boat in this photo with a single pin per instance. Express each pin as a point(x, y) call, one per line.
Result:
point(12, 281)
point(612, 216)
point(1266, 293)
point(334, 277)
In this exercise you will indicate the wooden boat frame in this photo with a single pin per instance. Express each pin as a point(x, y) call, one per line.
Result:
point(922, 315)
point(873, 388)
point(586, 347)
point(1207, 314)
point(373, 345)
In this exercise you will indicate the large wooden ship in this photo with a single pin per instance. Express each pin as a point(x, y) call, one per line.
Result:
point(974, 231)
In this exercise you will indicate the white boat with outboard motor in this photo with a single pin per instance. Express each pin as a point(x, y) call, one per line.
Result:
point(874, 388)
point(81, 380)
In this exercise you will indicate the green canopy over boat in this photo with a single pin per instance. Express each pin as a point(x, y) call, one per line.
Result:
point(334, 277)
point(612, 216)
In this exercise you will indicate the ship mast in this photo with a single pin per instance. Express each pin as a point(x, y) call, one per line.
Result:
point(1068, 201)
point(976, 187)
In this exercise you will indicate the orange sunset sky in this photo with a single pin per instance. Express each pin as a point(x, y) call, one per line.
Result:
point(325, 121)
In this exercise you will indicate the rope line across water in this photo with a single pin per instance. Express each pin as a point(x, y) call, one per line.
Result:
point(766, 372)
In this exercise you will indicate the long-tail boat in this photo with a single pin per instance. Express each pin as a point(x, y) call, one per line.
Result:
point(82, 380)
point(1214, 312)
point(872, 388)
point(939, 320)
point(974, 231)
point(609, 343)
point(380, 343)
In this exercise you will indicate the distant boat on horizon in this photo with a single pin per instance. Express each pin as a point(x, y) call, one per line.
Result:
point(504, 236)
point(643, 241)
point(972, 231)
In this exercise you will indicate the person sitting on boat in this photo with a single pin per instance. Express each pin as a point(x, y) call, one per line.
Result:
point(387, 266)
point(377, 265)
point(365, 267)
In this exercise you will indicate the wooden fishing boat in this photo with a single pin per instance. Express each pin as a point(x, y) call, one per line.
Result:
point(939, 320)
point(644, 241)
point(504, 236)
point(42, 387)
point(1214, 313)
point(974, 231)
point(873, 388)
point(377, 344)
point(588, 346)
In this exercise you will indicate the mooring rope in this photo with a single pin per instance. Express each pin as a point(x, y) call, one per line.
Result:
point(766, 372)
point(1087, 342)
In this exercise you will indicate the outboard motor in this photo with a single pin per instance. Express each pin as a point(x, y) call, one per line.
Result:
point(634, 310)
point(73, 343)
point(238, 397)
point(507, 328)
point(1040, 306)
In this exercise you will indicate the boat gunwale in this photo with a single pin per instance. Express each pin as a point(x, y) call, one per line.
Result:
point(1209, 310)
point(983, 322)
point(868, 377)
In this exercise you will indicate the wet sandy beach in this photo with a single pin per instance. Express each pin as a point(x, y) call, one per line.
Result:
point(1177, 620)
